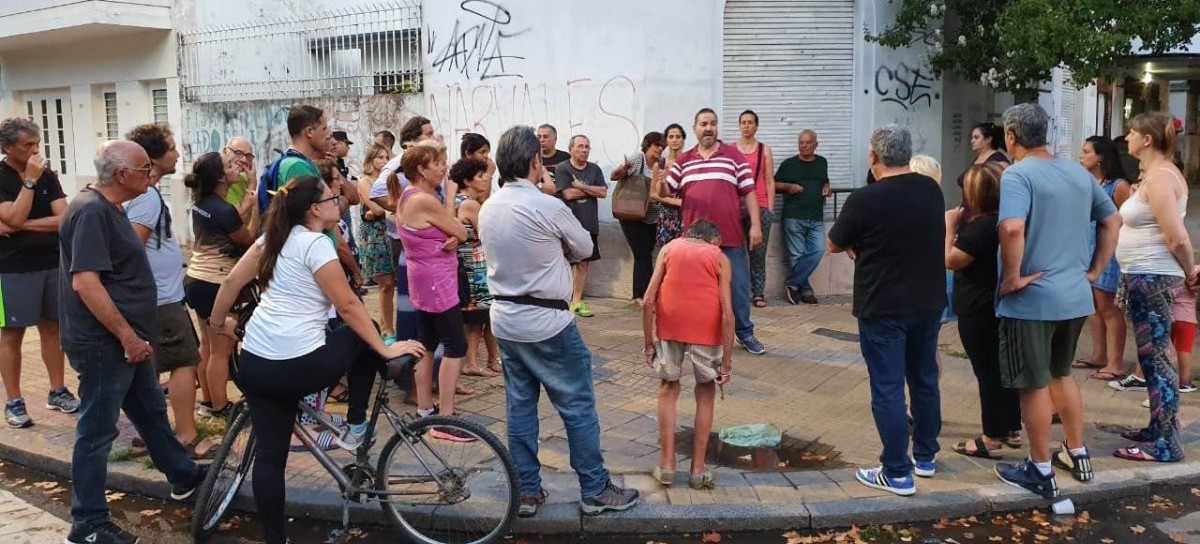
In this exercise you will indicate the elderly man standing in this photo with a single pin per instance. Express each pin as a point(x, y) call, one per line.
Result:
point(804, 182)
point(108, 301)
point(894, 230)
point(530, 238)
point(711, 178)
point(581, 184)
point(31, 204)
point(1046, 204)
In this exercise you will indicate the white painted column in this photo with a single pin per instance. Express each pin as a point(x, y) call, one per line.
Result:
point(84, 139)
point(134, 106)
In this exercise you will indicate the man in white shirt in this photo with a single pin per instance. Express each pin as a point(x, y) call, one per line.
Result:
point(530, 238)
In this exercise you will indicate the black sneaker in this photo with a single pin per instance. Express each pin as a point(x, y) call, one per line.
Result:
point(531, 502)
point(185, 492)
point(809, 299)
point(1027, 476)
point(1128, 383)
point(793, 295)
point(1079, 465)
point(106, 532)
point(612, 499)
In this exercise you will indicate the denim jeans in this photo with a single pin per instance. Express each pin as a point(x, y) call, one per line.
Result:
point(740, 288)
point(563, 365)
point(805, 240)
point(107, 385)
point(900, 349)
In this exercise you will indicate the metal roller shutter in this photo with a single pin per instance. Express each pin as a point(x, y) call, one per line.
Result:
point(792, 62)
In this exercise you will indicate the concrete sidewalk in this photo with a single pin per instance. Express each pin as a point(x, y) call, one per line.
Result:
point(812, 384)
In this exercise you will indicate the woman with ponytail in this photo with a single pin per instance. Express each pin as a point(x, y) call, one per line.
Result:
point(287, 352)
point(220, 238)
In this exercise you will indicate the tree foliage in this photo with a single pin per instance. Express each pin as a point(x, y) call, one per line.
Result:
point(1012, 45)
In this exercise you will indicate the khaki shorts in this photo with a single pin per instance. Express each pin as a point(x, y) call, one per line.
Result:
point(705, 361)
point(1034, 352)
point(175, 344)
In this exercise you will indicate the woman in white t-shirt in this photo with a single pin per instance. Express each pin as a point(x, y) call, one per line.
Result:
point(286, 352)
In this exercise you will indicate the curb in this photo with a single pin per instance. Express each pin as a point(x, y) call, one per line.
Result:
point(564, 518)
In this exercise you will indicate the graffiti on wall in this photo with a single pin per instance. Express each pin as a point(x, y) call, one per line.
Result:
point(208, 126)
point(474, 47)
point(604, 109)
point(905, 86)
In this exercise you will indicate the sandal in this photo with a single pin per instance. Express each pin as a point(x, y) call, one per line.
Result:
point(208, 454)
point(760, 302)
point(1084, 363)
point(702, 481)
point(325, 440)
point(981, 450)
point(1104, 375)
point(1013, 441)
point(1134, 453)
point(339, 393)
point(480, 372)
point(664, 477)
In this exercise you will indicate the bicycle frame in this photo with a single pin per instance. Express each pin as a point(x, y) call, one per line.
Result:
point(351, 487)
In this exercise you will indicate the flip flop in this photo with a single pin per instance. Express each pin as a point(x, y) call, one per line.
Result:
point(760, 302)
point(480, 372)
point(1134, 453)
point(208, 454)
point(1104, 375)
point(981, 450)
point(324, 440)
point(1084, 363)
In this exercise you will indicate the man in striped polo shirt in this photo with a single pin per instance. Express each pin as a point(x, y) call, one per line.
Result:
point(710, 178)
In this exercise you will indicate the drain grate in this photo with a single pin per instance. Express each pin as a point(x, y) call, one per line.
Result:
point(835, 334)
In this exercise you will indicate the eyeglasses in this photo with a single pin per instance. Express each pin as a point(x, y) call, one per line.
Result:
point(239, 154)
point(337, 199)
point(145, 171)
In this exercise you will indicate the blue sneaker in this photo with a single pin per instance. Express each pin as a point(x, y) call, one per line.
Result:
point(1026, 475)
point(751, 343)
point(875, 479)
point(925, 469)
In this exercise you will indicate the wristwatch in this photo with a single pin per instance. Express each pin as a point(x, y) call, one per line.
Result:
point(31, 185)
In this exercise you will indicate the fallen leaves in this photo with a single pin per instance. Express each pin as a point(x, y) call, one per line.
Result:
point(113, 496)
point(1137, 529)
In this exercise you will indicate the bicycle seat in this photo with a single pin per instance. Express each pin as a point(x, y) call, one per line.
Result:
point(398, 366)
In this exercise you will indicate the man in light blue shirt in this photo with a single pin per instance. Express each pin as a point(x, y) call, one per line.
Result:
point(1044, 297)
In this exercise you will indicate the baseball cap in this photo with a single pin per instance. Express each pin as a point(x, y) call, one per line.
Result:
point(340, 135)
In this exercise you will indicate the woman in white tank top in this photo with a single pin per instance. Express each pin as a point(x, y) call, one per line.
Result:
point(1155, 256)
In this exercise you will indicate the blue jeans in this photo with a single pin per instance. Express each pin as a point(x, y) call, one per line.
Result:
point(900, 349)
point(740, 288)
point(107, 385)
point(805, 240)
point(563, 365)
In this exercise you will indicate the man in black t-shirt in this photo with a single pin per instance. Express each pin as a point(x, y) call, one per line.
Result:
point(894, 230)
point(109, 300)
point(551, 157)
point(31, 203)
point(580, 184)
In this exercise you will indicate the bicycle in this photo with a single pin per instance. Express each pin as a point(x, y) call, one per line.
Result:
point(421, 492)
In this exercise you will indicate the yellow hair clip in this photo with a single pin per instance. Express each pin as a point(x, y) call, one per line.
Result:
point(283, 191)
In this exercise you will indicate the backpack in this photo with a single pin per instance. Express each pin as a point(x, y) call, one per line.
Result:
point(268, 182)
point(162, 227)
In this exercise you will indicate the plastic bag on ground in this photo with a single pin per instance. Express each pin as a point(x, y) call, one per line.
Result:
point(754, 435)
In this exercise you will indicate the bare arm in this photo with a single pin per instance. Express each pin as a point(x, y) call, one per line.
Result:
point(1164, 204)
point(593, 191)
point(142, 231)
point(1012, 253)
point(346, 257)
point(573, 194)
point(468, 213)
point(16, 213)
point(649, 305)
point(1122, 192)
point(726, 319)
point(438, 216)
point(769, 175)
point(242, 237)
point(1106, 244)
point(373, 208)
point(349, 308)
point(755, 219)
point(242, 274)
point(956, 259)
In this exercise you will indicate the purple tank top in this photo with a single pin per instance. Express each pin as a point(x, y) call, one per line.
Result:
point(432, 271)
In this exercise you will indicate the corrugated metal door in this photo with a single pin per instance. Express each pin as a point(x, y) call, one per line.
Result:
point(792, 62)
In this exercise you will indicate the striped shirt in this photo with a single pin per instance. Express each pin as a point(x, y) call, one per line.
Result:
point(712, 189)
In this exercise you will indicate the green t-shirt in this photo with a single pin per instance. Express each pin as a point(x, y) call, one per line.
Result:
point(812, 176)
point(237, 191)
point(293, 167)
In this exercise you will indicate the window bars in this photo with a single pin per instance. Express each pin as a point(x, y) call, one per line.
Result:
point(363, 50)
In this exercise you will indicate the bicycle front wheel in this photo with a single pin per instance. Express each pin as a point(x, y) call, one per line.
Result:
point(226, 475)
point(440, 491)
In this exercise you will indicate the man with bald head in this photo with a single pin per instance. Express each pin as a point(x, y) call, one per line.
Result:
point(240, 153)
point(108, 301)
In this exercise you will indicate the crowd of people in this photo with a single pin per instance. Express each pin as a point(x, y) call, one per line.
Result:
point(494, 248)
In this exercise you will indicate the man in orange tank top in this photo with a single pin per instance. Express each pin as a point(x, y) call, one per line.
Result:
point(689, 309)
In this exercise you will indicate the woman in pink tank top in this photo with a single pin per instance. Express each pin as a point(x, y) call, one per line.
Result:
point(687, 322)
point(762, 166)
point(430, 234)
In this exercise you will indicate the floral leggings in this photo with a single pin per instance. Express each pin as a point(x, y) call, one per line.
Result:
point(1148, 301)
point(758, 254)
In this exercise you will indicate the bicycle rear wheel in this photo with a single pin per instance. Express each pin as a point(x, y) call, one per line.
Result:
point(448, 492)
point(226, 475)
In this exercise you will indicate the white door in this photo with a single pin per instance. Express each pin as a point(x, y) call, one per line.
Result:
point(52, 112)
point(792, 62)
